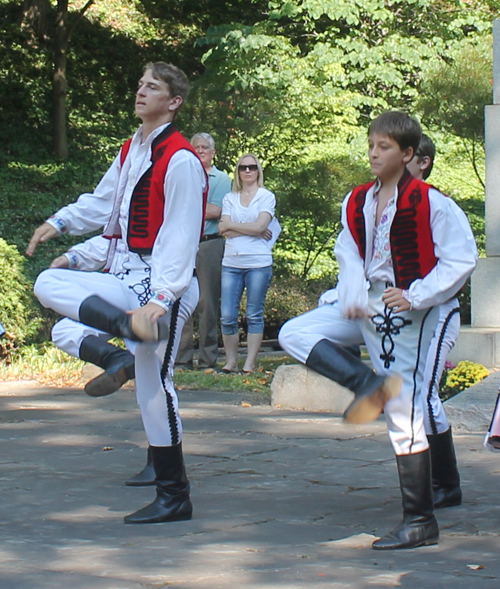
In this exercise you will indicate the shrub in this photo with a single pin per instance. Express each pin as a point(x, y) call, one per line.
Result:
point(461, 377)
point(18, 312)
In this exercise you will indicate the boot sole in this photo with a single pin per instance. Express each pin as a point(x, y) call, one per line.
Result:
point(428, 542)
point(106, 384)
point(178, 518)
point(367, 408)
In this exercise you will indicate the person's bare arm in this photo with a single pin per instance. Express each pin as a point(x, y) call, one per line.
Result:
point(40, 235)
point(60, 262)
point(257, 229)
point(212, 212)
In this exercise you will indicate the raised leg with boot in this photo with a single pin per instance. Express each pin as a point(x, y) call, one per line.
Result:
point(147, 476)
point(118, 365)
point(98, 313)
point(445, 476)
point(371, 390)
point(172, 501)
point(419, 526)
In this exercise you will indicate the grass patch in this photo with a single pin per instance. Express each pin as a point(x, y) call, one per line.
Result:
point(44, 363)
point(211, 380)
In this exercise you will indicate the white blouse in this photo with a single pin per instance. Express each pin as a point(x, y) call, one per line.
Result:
point(248, 251)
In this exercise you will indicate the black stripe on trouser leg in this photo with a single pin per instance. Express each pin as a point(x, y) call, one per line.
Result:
point(172, 421)
point(415, 391)
point(432, 382)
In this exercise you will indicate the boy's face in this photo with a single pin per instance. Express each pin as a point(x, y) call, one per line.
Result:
point(387, 159)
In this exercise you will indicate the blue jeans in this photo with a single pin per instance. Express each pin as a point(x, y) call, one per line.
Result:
point(234, 281)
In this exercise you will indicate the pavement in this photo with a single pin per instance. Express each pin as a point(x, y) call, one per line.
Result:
point(283, 499)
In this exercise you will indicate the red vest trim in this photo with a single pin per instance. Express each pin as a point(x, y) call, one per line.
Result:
point(148, 198)
point(412, 246)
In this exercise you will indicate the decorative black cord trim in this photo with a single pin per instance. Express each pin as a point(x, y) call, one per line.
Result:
point(432, 417)
point(142, 289)
point(389, 325)
point(415, 391)
point(164, 370)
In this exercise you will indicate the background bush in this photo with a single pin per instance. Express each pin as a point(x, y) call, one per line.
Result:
point(18, 312)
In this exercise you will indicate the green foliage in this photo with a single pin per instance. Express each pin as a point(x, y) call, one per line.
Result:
point(456, 88)
point(286, 298)
point(43, 362)
point(17, 310)
point(464, 375)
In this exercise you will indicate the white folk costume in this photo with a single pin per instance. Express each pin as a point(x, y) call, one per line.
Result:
point(151, 203)
point(423, 245)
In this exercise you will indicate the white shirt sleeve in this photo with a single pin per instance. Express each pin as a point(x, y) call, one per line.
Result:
point(92, 210)
point(174, 251)
point(352, 284)
point(456, 250)
point(90, 255)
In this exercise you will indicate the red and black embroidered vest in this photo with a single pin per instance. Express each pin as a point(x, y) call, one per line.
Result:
point(148, 198)
point(412, 246)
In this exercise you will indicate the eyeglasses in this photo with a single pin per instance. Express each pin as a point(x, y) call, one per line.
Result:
point(250, 167)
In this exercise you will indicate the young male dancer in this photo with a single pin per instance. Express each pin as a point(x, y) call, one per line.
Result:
point(445, 475)
point(404, 249)
point(151, 202)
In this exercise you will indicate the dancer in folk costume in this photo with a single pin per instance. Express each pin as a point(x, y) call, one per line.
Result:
point(405, 249)
point(151, 202)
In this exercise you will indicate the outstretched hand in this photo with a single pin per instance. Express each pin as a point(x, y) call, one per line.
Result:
point(41, 235)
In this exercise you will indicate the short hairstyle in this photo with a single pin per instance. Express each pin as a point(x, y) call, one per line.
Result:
point(405, 130)
point(426, 148)
point(205, 136)
point(237, 182)
point(175, 78)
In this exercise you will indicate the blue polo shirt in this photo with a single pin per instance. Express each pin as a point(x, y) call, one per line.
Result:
point(219, 184)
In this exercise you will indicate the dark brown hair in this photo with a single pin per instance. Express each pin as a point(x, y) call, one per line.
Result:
point(405, 130)
point(174, 77)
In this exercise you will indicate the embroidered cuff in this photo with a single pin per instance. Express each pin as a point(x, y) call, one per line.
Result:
point(57, 223)
point(406, 295)
point(72, 258)
point(163, 300)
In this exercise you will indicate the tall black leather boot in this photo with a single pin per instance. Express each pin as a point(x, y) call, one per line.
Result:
point(445, 477)
point(371, 390)
point(172, 501)
point(118, 365)
point(147, 476)
point(98, 313)
point(419, 526)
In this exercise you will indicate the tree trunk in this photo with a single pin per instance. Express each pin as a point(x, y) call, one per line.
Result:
point(59, 84)
point(36, 14)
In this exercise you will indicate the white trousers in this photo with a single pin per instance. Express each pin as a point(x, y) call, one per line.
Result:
point(445, 336)
point(396, 343)
point(64, 290)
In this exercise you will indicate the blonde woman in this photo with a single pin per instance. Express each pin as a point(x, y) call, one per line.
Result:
point(247, 262)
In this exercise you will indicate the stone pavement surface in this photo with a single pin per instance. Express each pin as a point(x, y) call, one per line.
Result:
point(283, 500)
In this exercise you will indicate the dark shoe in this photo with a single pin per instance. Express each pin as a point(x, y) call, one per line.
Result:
point(371, 390)
point(118, 365)
point(98, 313)
point(172, 501)
point(445, 476)
point(146, 477)
point(409, 534)
point(419, 526)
